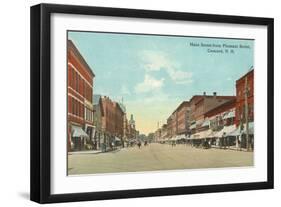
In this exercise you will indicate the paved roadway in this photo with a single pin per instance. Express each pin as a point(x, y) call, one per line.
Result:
point(156, 157)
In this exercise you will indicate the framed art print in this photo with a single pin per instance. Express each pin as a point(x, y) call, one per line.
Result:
point(133, 103)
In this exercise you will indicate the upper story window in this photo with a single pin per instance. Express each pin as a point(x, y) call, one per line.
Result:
point(76, 81)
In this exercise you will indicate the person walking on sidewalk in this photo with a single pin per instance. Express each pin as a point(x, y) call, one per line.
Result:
point(139, 144)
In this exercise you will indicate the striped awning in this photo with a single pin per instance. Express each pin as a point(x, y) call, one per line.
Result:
point(230, 114)
point(77, 131)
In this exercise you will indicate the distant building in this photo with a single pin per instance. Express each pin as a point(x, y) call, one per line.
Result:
point(79, 97)
point(182, 118)
point(207, 102)
point(132, 132)
point(109, 121)
point(150, 137)
point(98, 115)
point(170, 126)
point(132, 122)
point(222, 115)
point(164, 131)
point(192, 104)
point(112, 120)
point(118, 119)
point(178, 121)
point(157, 135)
point(201, 104)
point(125, 123)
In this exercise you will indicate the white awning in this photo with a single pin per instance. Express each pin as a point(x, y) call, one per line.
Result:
point(197, 135)
point(234, 133)
point(173, 139)
point(228, 129)
point(230, 114)
point(199, 122)
point(179, 137)
point(209, 134)
point(225, 131)
point(206, 123)
point(203, 134)
point(193, 126)
point(218, 133)
point(117, 139)
point(238, 132)
point(251, 128)
point(77, 131)
point(182, 136)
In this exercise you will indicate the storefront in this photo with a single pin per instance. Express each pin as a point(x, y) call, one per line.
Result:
point(78, 138)
point(90, 130)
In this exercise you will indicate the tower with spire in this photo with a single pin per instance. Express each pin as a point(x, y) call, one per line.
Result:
point(132, 122)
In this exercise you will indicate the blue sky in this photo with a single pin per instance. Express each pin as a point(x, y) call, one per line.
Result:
point(154, 74)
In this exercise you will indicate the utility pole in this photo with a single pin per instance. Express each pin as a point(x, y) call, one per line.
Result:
point(246, 94)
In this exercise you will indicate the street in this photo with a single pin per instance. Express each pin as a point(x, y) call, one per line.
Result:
point(156, 157)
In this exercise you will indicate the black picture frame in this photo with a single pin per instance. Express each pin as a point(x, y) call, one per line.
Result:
point(41, 99)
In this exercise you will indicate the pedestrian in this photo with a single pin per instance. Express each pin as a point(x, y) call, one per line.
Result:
point(139, 144)
point(145, 143)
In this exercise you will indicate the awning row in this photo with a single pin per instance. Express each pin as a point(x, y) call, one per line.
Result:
point(237, 131)
point(226, 131)
point(77, 131)
point(179, 137)
point(206, 122)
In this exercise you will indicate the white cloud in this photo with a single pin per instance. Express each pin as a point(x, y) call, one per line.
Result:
point(155, 61)
point(180, 77)
point(149, 84)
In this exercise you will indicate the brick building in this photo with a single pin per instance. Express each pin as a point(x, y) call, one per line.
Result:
point(157, 135)
point(207, 102)
point(182, 118)
point(222, 115)
point(192, 103)
point(245, 88)
point(171, 125)
point(98, 114)
point(109, 121)
point(118, 119)
point(79, 97)
point(112, 119)
point(164, 131)
point(178, 121)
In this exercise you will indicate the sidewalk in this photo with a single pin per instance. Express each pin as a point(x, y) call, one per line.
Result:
point(85, 152)
point(229, 148)
point(93, 151)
